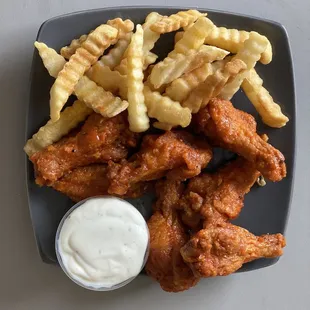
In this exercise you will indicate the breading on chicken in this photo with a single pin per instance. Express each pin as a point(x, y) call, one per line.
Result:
point(177, 155)
point(99, 140)
point(223, 191)
point(89, 181)
point(167, 235)
point(222, 248)
point(235, 130)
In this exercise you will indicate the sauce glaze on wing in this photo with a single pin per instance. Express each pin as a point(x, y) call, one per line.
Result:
point(235, 130)
point(90, 181)
point(99, 140)
point(167, 235)
point(178, 155)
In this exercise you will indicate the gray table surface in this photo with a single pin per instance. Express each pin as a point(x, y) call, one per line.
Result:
point(27, 283)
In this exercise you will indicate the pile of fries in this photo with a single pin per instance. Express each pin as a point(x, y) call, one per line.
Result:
point(207, 61)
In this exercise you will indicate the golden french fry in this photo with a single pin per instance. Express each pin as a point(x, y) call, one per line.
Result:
point(101, 101)
point(85, 56)
point(150, 37)
point(160, 90)
point(115, 55)
point(166, 110)
point(189, 25)
point(68, 51)
point(108, 79)
point(52, 61)
point(232, 40)
point(178, 36)
point(52, 131)
point(95, 97)
point(173, 67)
point(180, 88)
point(162, 126)
point(149, 59)
point(269, 111)
point(213, 85)
point(250, 53)
point(266, 56)
point(123, 26)
point(176, 21)
point(193, 37)
point(137, 116)
point(122, 67)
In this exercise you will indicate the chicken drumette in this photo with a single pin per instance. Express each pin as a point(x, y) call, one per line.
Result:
point(235, 130)
point(99, 140)
point(89, 181)
point(167, 235)
point(221, 248)
point(177, 155)
point(223, 191)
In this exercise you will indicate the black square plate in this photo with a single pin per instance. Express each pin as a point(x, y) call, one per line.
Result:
point(266, 209)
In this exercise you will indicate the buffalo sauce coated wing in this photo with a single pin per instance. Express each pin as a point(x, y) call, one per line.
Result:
point(100, 140)
point(222, 191)
point(167, 235)
point(89, 181)
point(235, 130)
point(177, 155)
point(221, 248)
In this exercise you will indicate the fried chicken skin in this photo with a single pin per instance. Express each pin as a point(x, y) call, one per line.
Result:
point(235, 130)
point(177, 155)
point(99, 140)
point(222, 248)
point(223, 191)
point(89, 181)
point(167, 235)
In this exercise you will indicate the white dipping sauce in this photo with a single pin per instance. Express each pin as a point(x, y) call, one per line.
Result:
point(103, 242)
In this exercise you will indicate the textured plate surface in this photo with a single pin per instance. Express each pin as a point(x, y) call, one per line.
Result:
point(266, 209)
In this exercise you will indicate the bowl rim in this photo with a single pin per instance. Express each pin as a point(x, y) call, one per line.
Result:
point(59, 257)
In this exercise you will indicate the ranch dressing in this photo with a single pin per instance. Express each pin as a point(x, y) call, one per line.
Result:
point(103, 242)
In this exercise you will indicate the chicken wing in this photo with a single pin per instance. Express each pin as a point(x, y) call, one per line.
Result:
point(221, 249)
point(100, 140)
point(235, 130)
point(167, 235)
point(89, 181)
point(223, 191)
point(178, 155)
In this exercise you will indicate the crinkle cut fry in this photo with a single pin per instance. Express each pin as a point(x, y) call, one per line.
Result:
point(95, 97)
point(173, 67)
point(250, 54)
point(233, 39)
point(213, 85)
point(85, 56)
point(194, 37)
point(137, 111)
point(176, 21)
point(269, 111)
point(123, 27)
point(53, 131)
point(174, 113)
